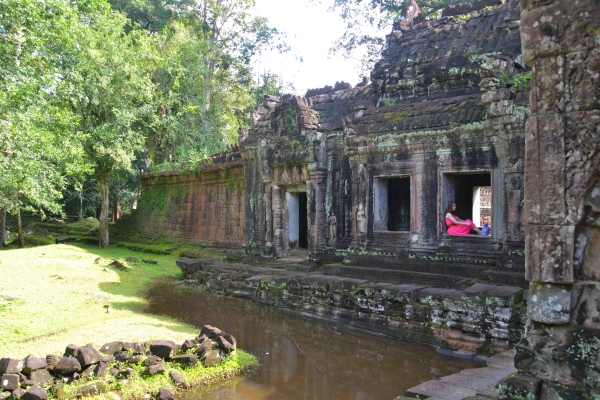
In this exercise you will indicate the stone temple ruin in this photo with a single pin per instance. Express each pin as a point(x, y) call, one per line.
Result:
point(360, 177)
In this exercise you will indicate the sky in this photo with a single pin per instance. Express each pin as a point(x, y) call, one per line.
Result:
point(311, 30)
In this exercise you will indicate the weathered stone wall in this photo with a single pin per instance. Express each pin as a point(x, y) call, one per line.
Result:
point(448, 97)
point(481, 319)
point(204, 206)
point(560, 356)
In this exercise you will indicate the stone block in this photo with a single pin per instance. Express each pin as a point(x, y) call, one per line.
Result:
point(479, 290)
point(212, 357)
point(35, 393)
point(225, 344)
point(100, 369)
point(188, 360)
point(549, 303)
point(10, 366)
point(551, 137)
point(532, 203)
point(504, 296)
point(67, 365)
point(88, 355)
point(32, 363)
point(10, 381)
point(178, 379)
point(189, 344)
point(163, 348)
point(549, 85)
point(17, 393)
point(519, 386)
point(532, 156)
point(440, 389)
point(549, 253)
point(71, 351)
point(582, 89)
point(205, 347)
point(156, 368)
point(587, 253)
point(166, 393)
point(542, 31)
point(586, 296)
point(581, 31)
point(40, 377)
point(211, 332)
point(552, 198)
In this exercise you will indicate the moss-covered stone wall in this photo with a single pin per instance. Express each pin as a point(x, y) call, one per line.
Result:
point(205, 206)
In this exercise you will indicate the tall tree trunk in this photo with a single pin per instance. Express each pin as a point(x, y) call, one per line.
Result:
point(2, 225)
point(20, 230)
point(81, 204)
point(116, 205)
point(102, 181)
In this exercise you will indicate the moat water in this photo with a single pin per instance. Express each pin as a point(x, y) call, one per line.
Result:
point(344, 363)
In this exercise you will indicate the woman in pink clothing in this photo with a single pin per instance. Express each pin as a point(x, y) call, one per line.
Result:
point(457, 226)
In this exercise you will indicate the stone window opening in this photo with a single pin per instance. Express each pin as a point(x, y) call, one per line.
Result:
point(297, 211)
point(472, 193)
point(392, 201)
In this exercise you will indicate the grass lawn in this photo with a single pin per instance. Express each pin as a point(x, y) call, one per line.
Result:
point(55, 295)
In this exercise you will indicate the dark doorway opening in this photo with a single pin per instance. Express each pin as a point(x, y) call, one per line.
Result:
point(472, 194)
point(399, 204)
point(303, 220)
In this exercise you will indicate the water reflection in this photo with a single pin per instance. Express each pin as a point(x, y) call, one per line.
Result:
point(293, 350)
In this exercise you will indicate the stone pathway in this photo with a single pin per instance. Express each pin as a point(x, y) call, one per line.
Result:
point(475, 383)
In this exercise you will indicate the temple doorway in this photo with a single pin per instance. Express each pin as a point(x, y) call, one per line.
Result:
point(297, 209)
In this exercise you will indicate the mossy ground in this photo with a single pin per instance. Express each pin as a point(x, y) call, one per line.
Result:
point(55, 295)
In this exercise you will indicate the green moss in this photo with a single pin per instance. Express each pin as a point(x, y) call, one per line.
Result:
point(291, 120)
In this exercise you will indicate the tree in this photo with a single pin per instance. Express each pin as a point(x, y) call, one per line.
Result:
point(108, 87)
point(368, 21)
point(37, 151)
point(204, 76)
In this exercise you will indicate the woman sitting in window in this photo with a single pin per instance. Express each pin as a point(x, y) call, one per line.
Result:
point(457, 226)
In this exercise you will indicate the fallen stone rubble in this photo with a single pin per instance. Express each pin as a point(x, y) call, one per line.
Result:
point(32, 378)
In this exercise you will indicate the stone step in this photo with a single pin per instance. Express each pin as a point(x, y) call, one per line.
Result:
point(440, 390)
point(301, 267)
point(510, 278)
point(429, 266)
point(397, 276)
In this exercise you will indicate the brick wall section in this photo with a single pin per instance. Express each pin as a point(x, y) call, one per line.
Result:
point(205, 206)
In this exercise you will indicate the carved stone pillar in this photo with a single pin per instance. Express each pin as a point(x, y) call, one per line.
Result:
point(268, 218)
point(560, 354)
point(278, 228)
point(317, 218)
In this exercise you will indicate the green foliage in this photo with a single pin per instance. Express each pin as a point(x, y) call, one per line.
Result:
point(85, 89)
point(462, 17)
point(388, 101)
point(521, 79)
point(294, 144)
point(37, 152)
point(516, 81)
point(291, 120)
point(268, 83)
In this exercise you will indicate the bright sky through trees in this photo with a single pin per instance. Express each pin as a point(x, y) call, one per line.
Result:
point(311, 30)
